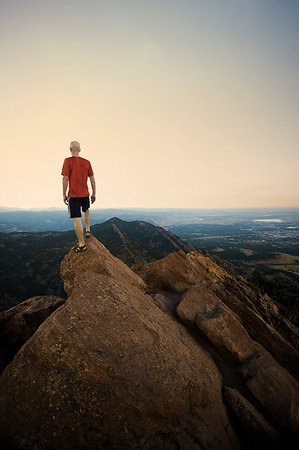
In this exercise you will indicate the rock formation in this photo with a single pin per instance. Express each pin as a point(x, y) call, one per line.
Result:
point(178, 271)
point(20, 322)
point(164, 359)
point(170, 279)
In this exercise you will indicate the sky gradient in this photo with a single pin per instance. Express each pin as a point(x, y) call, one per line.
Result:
point(176, 103)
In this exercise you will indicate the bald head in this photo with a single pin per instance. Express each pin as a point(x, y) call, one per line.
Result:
point(75, 147)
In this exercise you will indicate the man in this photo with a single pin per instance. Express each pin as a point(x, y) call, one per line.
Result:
point(75, 172)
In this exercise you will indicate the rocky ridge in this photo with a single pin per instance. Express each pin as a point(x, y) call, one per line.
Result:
point(175, 354)
point(30, 261)
point(137, 241)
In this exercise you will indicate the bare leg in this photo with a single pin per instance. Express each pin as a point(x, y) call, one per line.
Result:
point(86, 216)
point(79, 230)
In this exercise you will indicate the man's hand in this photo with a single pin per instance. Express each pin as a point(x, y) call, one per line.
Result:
point(65, 183)
point(93, 187)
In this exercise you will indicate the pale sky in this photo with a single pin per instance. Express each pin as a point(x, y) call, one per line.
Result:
point(176, 103)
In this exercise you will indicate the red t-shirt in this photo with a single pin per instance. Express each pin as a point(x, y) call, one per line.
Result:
point(78, 170)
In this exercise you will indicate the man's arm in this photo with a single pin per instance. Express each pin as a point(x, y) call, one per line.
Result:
point(65, 183)
point(93, 186)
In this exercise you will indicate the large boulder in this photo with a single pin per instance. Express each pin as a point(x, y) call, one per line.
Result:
point(216, 321)
point(110, 370)
point(19, 323)
point(179, 271)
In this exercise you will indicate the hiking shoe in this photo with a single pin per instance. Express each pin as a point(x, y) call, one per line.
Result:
point(79, 249)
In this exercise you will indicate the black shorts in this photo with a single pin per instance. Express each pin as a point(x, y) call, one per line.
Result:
point(75, 205)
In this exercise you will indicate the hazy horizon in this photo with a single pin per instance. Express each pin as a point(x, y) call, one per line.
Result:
point(176, 104)
point(127, 208)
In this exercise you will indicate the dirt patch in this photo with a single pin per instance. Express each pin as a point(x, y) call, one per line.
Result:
point(280, 261)
point(284, 258)
point(247, 251)
point(286, 267)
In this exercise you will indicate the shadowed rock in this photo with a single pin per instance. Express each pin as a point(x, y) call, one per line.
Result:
point(275, 388)
point(255, 324)
point(259, 433)
point(270, 383)
point(19, 323)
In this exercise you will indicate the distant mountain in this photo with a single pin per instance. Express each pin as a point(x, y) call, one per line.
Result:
point(20, 220)
point(30, 262)
point(138, 241)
